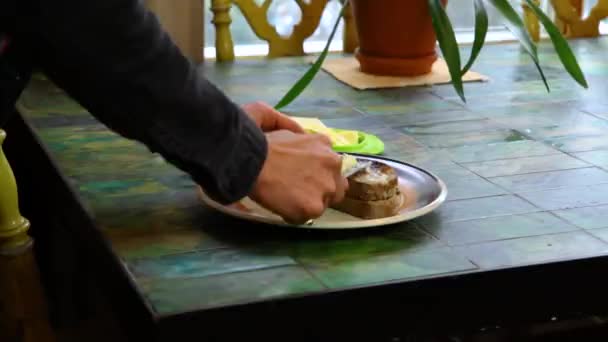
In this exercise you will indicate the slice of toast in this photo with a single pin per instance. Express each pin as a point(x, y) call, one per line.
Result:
point(369, 210)
point(375, 183)
point(373, 193)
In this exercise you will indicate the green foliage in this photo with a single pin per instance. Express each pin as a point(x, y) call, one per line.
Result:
point(449, 47)
point(303, 82)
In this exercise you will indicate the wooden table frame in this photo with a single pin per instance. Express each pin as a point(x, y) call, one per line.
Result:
point(23, 315)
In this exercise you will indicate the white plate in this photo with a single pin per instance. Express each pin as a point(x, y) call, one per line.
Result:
point(423, 193)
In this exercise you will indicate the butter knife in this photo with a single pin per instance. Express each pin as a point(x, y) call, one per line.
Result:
point(360, 165)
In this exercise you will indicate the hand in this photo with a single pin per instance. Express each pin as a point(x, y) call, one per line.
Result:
point(300, 178)
point(269, 119)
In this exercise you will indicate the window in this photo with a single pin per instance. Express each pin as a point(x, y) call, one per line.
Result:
point(284, 14)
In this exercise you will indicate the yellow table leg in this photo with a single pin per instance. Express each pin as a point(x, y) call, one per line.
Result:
point(23, 315)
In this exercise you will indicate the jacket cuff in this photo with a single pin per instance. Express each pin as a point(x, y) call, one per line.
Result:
point(226, 177)
point(238, 172)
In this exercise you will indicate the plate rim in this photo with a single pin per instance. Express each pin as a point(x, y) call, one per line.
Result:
point(440, 199)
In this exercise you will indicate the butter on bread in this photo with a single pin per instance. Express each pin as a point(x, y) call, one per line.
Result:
point(375, 183)
point(348, 162)
point(338, 138)
point(373, 193)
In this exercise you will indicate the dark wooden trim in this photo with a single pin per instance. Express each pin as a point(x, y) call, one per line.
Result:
point(76, 260)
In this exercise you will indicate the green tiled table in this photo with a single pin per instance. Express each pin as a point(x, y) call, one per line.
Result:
point(528, 199)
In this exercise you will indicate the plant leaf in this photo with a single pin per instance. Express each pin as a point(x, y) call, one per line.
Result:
point(305, 80)
point(518, 29)
point(447, 44)
point(516, 26)
point(481, 29)
point(561, 45)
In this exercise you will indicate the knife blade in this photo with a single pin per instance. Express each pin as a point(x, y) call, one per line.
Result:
point(360, 165)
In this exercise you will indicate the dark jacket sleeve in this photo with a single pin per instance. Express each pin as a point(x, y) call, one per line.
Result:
point(114, 58)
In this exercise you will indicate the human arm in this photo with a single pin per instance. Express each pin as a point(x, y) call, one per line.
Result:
point(115, 59)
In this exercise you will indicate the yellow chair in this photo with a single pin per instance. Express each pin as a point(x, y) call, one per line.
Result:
point(278, 46)
point(569, 18)
point(23, 315)
point(531, 22)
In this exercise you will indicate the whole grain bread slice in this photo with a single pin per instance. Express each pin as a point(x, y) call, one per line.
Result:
point(375, 183)
point(371, 209)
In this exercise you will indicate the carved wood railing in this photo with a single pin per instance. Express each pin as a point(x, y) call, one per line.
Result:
point(532, 23)
point(279, 46)
point(569, 18)
point(23, 315)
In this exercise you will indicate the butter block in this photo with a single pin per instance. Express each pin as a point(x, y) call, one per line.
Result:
point(341, 138)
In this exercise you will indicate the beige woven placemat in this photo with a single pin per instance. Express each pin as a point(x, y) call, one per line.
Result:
point(347, 70)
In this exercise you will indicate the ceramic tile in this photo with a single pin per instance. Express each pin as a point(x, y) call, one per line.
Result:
point(580, 144)
point(597, 109)
point(400, 238)
point(474, 89)
point(205, 263)
point(158, 241)
point(525, 165)
point(601, 234)
point(322, 109)
point(426, 118)
point(543, 113)
point(455, 173)
point(470, 138)
point(533, 250)
point(599, 158)
point(507, 150)
point(478, 208)
point(582, 129)
point(363, 123)
point(552, 180)
point(471, 188)
point(395, 142)
point(392, 267)
point(572, 120)
point(402, 145)
point(431, 160)
point(566, 198)
point(587, 218)
point(430, 104)
point(175, 295)
point(498, 228)
point(450, 127)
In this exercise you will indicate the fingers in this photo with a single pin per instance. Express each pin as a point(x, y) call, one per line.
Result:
point(341, 188)
point(284, 122)
point(301, 177)
point(323, 139)
point(270, 119)
point(311, 210)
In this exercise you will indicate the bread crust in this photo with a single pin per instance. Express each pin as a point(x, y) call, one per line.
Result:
point(370, 210)
point(373, 193)
point(376, 183)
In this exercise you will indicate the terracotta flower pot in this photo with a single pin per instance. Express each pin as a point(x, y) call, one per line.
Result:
point(396, 37)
